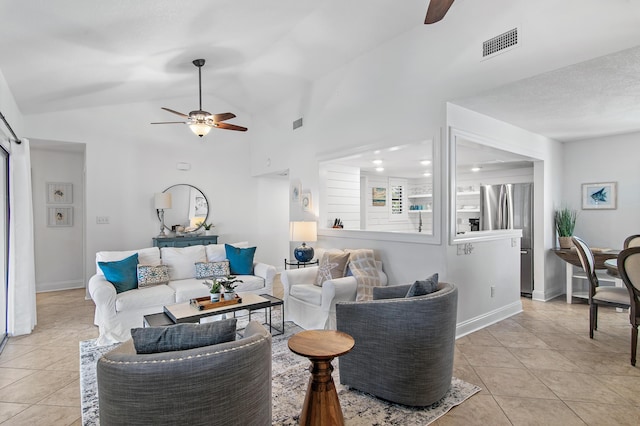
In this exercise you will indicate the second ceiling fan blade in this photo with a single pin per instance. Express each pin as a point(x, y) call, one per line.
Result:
point(223, 116)
point(436, 11)
point(176, 112)
point(228, 126)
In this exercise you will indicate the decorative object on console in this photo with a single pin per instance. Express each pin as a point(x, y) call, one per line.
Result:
point(162, 202)
point(303, 231)
point(201, 122)
point(565, 220)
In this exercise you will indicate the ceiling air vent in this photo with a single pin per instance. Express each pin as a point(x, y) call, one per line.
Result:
point(297, 123)
point(500, 43)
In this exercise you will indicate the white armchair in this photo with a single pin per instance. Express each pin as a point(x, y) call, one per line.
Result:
point(314, 307)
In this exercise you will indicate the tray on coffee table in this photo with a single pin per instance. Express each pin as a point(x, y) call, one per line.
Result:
point(204, 303)
point(185, 312)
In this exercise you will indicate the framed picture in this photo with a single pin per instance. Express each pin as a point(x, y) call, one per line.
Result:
point(59, 193)
point(60, 216)
point(306, 201)
point(378, 197)
point(599, 195)
point(296, 191)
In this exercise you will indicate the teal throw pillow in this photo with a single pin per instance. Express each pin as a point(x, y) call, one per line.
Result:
point(420, 288)
point(123, 274)
point(240, 259)
point(180, 337)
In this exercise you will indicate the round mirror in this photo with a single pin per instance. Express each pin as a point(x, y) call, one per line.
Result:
point(189, 208)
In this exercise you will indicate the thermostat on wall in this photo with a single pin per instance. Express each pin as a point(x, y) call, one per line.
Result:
point(183, 166)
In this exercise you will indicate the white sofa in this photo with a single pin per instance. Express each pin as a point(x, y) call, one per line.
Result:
point(314, 307)
point(117, 313)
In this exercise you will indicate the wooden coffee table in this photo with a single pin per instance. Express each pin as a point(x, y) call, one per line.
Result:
point(321, 405)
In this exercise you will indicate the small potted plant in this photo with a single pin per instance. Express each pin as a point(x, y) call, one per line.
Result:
point(207, 228)
point(565, 220)
point(215, 289)
point(229, 283)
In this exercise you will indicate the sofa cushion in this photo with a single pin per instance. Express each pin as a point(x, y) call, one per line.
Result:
point(332, 265)
point(154, 296)
point(249, 283)
point(217, 252)
point(146, 256)
point(427, 286)
point(240, 259)
point(152, 275)
point(310, 293)
point(121, 273)
point(187, 289)
point(181, 260)
point(212, 269)
point(181, 337)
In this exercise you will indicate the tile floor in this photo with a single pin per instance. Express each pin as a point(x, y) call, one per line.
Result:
point(536, 368)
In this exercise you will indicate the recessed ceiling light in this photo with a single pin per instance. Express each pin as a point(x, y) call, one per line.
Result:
point(427, 174)
point(379, 169)
point(425, 162)
point(476, 169)
point(377, 162)
point(394, 148)
point(377, 151)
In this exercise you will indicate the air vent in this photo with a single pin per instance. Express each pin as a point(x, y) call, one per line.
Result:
point(297, 123)
point(500, 43)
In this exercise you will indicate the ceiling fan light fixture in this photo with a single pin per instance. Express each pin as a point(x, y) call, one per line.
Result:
point(200, 129)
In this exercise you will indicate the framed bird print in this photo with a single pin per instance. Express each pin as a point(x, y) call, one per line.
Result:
point(599, 196)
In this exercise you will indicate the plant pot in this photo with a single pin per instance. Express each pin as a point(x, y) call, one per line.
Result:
point(215, 297)
point(565, 242)
point(209, 233)
point(229, 296)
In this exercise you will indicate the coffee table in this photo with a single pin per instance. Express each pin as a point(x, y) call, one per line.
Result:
point(185, 313)
point(321, 405)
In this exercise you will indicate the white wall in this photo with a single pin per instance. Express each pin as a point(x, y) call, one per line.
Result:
point(607, 159)
point(58, 250)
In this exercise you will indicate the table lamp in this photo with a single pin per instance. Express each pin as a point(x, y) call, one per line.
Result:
point(303, 231)
point(162, 200)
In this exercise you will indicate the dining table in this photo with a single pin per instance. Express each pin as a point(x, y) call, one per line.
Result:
point(601, 256)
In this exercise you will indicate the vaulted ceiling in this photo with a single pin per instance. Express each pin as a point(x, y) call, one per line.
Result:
point(70, 54)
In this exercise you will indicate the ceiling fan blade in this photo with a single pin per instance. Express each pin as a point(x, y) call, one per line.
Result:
point(436, 11)
point(224, 116)
point(228, 126)
point(170, 122)
point(176, 112)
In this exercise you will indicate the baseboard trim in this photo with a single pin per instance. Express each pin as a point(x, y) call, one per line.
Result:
point(44, 287)
point(484, 320)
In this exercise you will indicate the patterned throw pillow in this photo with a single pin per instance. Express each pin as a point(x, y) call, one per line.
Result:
point(152, 275)
point(332, 265)
point(212, 269)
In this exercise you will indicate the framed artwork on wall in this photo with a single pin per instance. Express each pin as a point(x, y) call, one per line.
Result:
point(306, 201)
point(296, 191)
point(59, 193)
point(599, 196)
point(59, 216)
point(378, 197)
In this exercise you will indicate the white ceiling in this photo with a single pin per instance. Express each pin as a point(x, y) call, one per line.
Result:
point(68, 54)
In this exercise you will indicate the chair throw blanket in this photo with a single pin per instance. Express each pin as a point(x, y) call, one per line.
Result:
point(363, 267)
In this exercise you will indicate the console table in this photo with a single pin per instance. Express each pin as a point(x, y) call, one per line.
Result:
point(197, 240)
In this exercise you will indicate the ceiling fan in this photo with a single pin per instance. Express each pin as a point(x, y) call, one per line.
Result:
point(436, 10)
point(199, 121)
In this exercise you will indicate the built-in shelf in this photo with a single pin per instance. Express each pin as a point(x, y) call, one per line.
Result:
point(468, 210)
point(467, 193)
point(421, 196)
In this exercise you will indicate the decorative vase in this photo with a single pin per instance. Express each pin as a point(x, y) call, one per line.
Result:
point(229, 295)
point(215, 297)
point(565, 242)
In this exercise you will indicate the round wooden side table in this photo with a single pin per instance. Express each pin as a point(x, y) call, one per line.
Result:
point(321, 405)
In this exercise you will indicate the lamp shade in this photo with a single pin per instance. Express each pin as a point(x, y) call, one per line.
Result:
point(200, 129)
point(162, 200)
point(303, 231)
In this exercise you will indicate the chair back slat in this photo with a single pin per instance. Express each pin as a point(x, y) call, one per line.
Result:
point(588, 264)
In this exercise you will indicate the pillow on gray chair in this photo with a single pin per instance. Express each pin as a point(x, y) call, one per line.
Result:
point(420, 288)
point(179, 337)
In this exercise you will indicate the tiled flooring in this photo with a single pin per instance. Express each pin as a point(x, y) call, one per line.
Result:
point(537, 368)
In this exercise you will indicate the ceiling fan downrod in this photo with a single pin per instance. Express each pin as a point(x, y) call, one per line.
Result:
point(199, 63)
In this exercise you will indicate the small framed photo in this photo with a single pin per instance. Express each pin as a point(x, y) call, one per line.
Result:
point(59, 193)
point(296, 191)
point(599, 196)
point(378, 197)
point(306, 201)
point(59, 216)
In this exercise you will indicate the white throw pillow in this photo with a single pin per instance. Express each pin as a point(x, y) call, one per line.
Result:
point(182, 260)
point(217, 253)
point(146, 256)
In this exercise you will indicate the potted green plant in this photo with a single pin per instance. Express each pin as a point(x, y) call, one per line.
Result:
point(565, 220)
point(215, 289)
point(207, 227)
point(229, 283)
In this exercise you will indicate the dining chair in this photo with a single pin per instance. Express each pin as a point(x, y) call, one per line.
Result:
point(632, 241)
point(617, 297)
point(629, 270)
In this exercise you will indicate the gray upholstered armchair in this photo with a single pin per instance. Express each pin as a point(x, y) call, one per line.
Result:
point(224, 384)
point(404, 346)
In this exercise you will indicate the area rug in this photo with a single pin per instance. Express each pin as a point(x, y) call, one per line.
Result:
point(290, 379)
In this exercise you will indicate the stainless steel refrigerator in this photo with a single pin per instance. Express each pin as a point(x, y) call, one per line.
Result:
point(510, 206)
